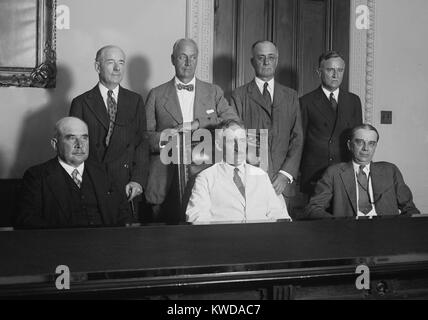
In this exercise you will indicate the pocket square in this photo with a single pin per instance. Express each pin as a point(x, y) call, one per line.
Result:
point(210, 111)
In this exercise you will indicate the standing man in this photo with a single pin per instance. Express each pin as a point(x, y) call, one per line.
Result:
point(361, 188)
point(328, 114)
point(182, 101)
point(117, 123)
point(263, 103)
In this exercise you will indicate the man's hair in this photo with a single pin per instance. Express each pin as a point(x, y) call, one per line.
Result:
point(101, 50)
point(365, 126)
point(59, 124)
point(262, 41)
point(179, 41)
point(327, 56)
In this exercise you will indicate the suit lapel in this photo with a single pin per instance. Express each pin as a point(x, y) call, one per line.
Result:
point(58, 186)
point(200, 106)
point(321, 105)
point(348, 180)
point(95, 102)
point(172, 104)
point(99, 184)
point(257, 97)
point(123, 109)
point(379, 182)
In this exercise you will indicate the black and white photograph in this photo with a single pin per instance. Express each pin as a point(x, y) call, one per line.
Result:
point(208, 156)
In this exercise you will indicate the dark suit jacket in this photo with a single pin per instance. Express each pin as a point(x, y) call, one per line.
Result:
point(336, 192)
point(326, 137)
point(283, 121)
point(126, 157)
point(45, 198)
point(164, 112)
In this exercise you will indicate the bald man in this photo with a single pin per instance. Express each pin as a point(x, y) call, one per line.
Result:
point(182, 100)
point(117, 123)
point(69, 191)
point(263, 103)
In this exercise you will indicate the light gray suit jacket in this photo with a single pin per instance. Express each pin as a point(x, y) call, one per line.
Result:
point(163, 112)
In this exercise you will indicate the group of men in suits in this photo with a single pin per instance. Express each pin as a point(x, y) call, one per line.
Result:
point(123, 138)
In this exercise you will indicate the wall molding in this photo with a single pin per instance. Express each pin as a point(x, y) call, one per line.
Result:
point(200, 27)
point(362, 59)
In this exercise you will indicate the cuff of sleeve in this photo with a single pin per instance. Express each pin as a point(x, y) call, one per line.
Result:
point(289, 176)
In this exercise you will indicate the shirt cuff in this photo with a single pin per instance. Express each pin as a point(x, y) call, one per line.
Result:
point(289, 176)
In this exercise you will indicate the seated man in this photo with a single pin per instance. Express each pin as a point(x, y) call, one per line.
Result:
point(232, 190)
point(69, 191)
point(361, 188)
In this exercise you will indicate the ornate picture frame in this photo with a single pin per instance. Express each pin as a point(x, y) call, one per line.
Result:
point(37, 18)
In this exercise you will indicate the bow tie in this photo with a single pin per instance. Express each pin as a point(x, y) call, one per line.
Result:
point(188, 87)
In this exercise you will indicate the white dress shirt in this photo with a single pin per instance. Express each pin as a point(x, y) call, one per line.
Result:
point(216, 199)
point(104, 93)
point(271, 87)
point(69, 169)
point(372, 213)
point(328, 93)
point(186, 99)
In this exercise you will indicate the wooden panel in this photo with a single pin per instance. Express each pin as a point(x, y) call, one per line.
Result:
point(284, 35)
point(224, 48)
point(312, 41)
point(253, 25)
point(340, 30)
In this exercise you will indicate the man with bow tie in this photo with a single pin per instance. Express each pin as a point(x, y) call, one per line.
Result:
point(117, 124)
point(361, 188)
point(69, 191)
point(183, 102)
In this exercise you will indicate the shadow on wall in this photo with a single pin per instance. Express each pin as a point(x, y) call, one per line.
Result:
point(289, 77)
point(138, 71)
point(37, 128)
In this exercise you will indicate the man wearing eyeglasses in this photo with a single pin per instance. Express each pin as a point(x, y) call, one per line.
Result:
point(263, 103)
point(361, 188)
point(328, 114)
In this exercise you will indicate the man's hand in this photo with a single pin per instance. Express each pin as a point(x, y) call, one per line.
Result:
point(132, 190)
point(185, 127)
point(280, 182)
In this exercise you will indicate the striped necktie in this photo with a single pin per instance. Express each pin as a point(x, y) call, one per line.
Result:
point(364, 204)
point(112, 110)
point(238, 182)
point(75, 176)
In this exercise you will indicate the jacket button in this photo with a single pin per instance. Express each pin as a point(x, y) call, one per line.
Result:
point(126, 166)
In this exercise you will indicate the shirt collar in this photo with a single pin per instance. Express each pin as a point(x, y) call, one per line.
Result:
point(104, 91)
point(193, 81)
point(357, 167)
point(327, 93)
point(260, 84)
point(229, 168)
point(70, 169)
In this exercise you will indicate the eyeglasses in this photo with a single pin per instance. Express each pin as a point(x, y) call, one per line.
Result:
point(360, 143)
point(269, 59)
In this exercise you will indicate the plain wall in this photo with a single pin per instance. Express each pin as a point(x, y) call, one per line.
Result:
point(401, 86)
point(146, 31)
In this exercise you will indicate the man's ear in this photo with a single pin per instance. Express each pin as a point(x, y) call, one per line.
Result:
point(172, 60)
point(318, 72)
point(54, 142)
point(97, 66)
point(348, 143)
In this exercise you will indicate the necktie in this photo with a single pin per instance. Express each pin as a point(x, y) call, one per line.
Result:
point(112, 110)
point(188, 87)
point(75, 177)
point(333, 102)
point(266, 94)
point(364, 204)
point(238, 182)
